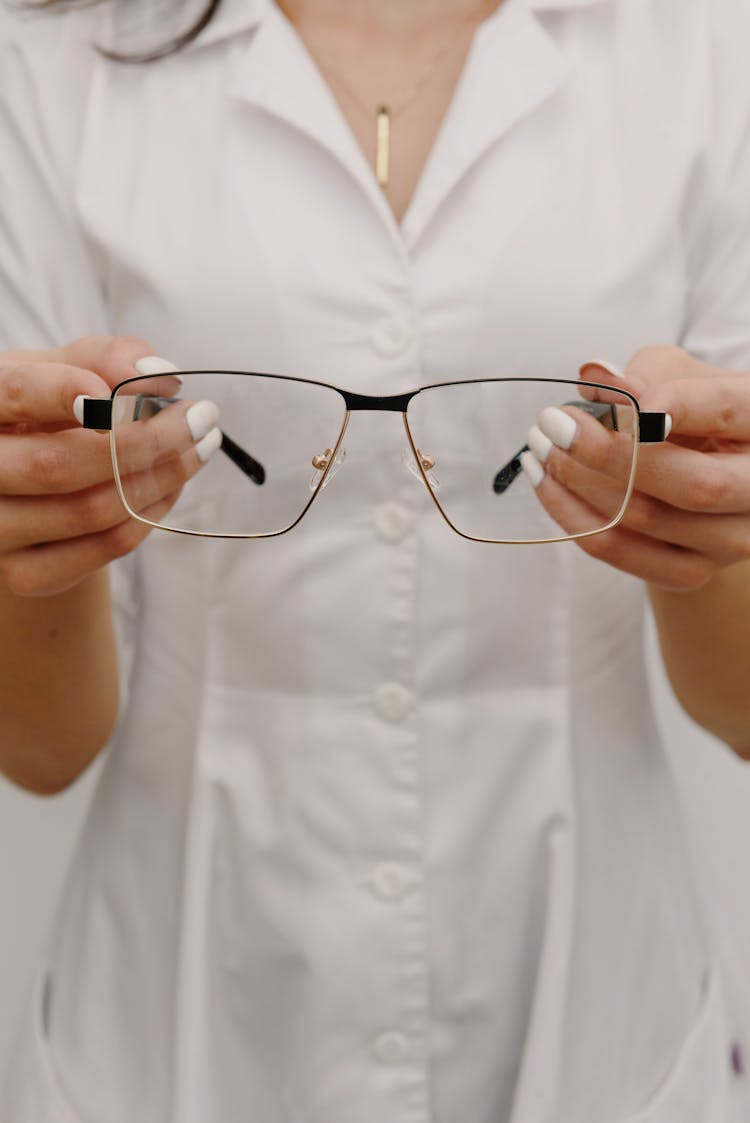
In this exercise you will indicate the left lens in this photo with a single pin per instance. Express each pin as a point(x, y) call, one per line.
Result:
point(258, 480)
point(474, 435)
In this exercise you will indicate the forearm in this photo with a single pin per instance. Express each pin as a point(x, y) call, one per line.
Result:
point(58, 683)
point(705, 643)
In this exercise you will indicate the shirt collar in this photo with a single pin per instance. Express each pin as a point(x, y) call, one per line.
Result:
point(513, 68)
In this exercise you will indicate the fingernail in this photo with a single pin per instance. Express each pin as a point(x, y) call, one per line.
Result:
point(209, 445)
point(78, 407)
point(602, 364)
point(667, 425)
point(153, 364)
point(532, 468)
point(538, 443)
point(558, 426)
point(201, 418)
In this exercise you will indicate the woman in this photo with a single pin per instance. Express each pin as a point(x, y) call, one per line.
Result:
point(386, 829)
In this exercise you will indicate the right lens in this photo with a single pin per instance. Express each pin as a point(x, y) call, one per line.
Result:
point(470, 437)
point(261, 478)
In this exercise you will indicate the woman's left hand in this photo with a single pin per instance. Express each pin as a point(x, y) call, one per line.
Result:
point(689, 514)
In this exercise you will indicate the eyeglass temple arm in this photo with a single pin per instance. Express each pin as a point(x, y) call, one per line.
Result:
point(97, 414)
point(652, 428)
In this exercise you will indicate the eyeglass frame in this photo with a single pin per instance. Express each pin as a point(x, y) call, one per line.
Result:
point(651, 428)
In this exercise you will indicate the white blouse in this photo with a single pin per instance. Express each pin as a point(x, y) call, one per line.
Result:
point(386, 832)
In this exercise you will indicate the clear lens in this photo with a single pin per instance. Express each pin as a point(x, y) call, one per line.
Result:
point(228, 454)
point(470, 439)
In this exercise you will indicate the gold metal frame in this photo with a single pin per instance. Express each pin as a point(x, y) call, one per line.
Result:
point(532, 541)
point(208, 534)
point(419, 462)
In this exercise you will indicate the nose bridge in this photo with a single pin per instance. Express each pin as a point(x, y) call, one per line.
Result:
point(390, 403)
point(327, 462)
point(331, 459)
point(393, 403)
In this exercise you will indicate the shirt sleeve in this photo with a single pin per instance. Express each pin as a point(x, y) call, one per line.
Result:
point(50, 291)
point(717, 326)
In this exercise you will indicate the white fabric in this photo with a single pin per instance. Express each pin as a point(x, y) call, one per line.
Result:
point(386, 831)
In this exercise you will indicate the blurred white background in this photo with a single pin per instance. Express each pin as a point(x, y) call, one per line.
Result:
point(37, 837)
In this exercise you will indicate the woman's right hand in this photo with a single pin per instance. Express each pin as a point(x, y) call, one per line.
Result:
point(61, 518)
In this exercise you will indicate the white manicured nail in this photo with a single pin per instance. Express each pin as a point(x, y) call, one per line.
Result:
point(153, 364)
point(538, 443)
point(78, 407)
point(558, 426)
point(667, 425)
point(209, 445)
point(532, 468)
point(610, 368)
point(201, 418)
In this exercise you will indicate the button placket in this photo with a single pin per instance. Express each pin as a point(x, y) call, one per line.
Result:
point(390, 1047)
point(389, 880)
point(391, 336)
point(393, 521)
point(398, 1029)
point(391, 701)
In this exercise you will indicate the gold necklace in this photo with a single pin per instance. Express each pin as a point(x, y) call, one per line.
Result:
point(385, 113)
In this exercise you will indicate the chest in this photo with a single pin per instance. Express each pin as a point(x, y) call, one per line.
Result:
point(392, 84)
point(547, 226)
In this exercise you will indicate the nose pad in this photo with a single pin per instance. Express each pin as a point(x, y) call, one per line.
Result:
point(320, 463)
point(407, 458)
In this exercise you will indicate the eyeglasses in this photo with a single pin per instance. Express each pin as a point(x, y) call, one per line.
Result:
point(278, 443)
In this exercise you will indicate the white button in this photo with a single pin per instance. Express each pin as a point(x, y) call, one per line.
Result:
point(391, 337)
point(391, 700)
point(392, 521)
point(391, 1047)
point(389, 881)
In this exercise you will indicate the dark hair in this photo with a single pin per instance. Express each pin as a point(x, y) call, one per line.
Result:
point(171, 47)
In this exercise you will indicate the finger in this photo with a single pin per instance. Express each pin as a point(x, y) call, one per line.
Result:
point(692, 480)
point(41, 386)
point(54, 463)
point(75, 459)
point(656, 562)
point(723, 538)
point(716, 407)
point(587, 441)
point(43, 393)
point(648, 376)
point(607, 375)
point(653, 366)
point(687, 478)
point(55, 567)
point(26, 521)
point(604, 497)
point(111, 356)
point(176, 428)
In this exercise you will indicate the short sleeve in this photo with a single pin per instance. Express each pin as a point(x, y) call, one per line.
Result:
point(49, 289)
point(717, 326)
point(50, 292)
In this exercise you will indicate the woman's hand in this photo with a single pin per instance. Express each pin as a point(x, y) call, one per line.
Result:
point(689, 514)
point(61, 518)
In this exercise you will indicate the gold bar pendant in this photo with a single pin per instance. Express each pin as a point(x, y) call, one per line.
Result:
point(383, 145)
